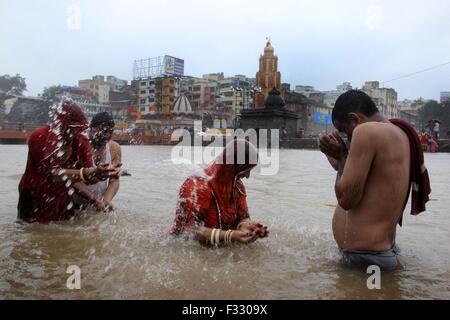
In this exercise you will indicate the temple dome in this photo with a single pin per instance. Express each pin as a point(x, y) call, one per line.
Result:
point(268, 47)
point(274, 99)
point(182, 105)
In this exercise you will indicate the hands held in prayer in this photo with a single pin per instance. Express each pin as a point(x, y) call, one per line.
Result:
point(332, 145)
point(248, 231)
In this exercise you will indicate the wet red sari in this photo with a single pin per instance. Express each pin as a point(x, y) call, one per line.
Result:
point(214, 199)
point(41, 197)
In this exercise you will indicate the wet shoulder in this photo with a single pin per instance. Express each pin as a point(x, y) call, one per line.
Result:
point(376, 131)
point(114, 146)
point(38, 134)
point(196, 185)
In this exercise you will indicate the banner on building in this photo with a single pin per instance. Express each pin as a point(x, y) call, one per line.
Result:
point(173, 66)
point(322, 118)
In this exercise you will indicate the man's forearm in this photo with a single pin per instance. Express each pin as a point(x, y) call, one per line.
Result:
point(340, 169)
point(112, 190)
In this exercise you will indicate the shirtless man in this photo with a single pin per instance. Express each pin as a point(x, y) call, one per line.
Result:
point(105, 151)
point(372, 181)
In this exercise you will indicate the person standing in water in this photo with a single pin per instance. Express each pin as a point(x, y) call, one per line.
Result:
point(374, 177)
point(213, 206)
point(104, 151)
point(58, 156)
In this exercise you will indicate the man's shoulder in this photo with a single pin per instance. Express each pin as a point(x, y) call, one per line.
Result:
point(374, 129)
point(114, 146)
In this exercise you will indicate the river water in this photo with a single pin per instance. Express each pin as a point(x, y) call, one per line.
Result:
point(123, 255)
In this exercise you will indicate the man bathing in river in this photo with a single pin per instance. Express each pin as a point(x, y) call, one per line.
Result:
point(373, 180)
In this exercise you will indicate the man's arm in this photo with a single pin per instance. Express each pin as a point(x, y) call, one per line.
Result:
point(83, 190)
point(114, 184)
point(353, 170)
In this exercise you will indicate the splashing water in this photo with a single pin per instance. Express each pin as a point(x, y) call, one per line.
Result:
point(126, 255)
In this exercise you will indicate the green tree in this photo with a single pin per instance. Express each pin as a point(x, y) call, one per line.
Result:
point(12, 85)
point(49, 93)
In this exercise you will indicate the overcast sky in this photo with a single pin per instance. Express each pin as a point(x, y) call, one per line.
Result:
point(318, 43)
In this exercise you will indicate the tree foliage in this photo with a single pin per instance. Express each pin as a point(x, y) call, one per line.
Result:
point(12, 85)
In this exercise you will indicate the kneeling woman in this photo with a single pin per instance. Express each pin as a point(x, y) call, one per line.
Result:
point(213, 207)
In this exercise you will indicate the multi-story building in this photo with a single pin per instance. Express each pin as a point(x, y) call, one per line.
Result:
point(384, 98)
point(165, 93)
point(92, 108)
point(236, 93)
point(154, 95)
point(305, 90)
point(445, 96)
point(100, 88)
point(330, 97)
point(116, 84)
point(409, 111)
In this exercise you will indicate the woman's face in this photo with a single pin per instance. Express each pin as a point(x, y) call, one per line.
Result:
point(245, 173)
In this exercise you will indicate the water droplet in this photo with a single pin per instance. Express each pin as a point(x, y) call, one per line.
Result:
point(70, 205)
point(60, 153)
point(71, 191)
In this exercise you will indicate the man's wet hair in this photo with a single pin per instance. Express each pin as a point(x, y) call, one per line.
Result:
point(353, 101)
point(102, 118)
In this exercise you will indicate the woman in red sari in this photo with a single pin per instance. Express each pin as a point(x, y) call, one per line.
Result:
point(213, 206)
point(58, 155)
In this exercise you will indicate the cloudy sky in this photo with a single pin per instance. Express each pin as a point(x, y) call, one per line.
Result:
point(319, 43)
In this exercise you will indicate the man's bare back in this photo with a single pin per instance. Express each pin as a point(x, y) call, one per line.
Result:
point(374, 186)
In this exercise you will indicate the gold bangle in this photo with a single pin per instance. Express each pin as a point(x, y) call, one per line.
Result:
point(81, 175)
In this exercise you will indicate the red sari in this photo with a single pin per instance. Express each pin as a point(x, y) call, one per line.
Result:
point(215, 199)
point(41, 197)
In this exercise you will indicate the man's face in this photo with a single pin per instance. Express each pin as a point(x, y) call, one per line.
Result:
point(346, 128)
point(100, 135)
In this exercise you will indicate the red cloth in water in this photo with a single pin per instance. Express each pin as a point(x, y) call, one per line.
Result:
point(419, 179)
point(50, 199)
point(215, 199)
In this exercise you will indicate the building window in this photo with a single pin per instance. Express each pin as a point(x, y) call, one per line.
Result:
point(151, 91)
point(143, 83)
point(151, 99)
point(197, 88)
point(143, 109)
point(142, 101)
point(143, 91)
